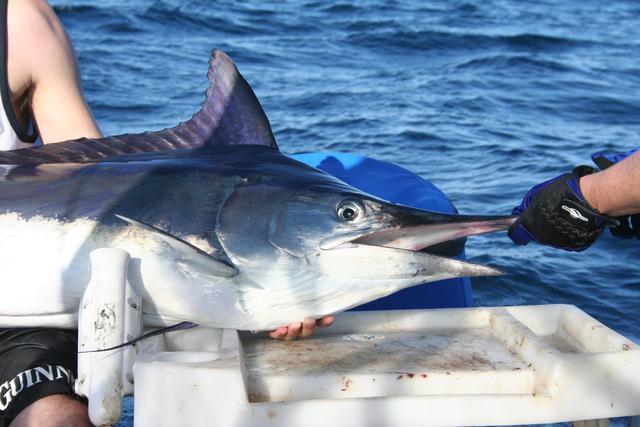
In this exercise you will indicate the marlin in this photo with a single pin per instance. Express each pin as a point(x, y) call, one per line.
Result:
point(223, 229)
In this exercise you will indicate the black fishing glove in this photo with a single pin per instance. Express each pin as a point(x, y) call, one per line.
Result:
point(555, 213)
point(627, 226)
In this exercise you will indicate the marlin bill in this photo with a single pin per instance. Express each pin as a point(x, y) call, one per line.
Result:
point(223, 229)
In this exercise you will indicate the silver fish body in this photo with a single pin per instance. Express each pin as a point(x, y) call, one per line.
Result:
point(224, 230)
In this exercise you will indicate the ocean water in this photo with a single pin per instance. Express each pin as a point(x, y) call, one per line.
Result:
point(485, 99)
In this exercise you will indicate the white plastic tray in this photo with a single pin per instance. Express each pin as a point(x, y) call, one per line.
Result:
point(476, 366)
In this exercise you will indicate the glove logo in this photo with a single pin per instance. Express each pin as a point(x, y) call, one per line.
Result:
point(574, 213)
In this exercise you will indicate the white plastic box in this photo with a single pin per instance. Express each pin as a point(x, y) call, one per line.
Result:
point(475, 366)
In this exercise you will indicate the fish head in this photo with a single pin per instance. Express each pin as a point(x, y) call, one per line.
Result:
point(327, 228)
point(341, 233)
point(322, 246)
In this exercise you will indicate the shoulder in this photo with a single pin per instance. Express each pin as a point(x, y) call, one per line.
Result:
point(33, 14)
point(37, 40)
point(33, 25)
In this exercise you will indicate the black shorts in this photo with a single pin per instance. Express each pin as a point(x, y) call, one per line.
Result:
point(34, 363)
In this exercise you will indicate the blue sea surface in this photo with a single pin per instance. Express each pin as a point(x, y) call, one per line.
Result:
point(485, 99)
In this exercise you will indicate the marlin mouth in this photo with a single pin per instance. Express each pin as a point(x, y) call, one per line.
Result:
point(421, 236)
point(410, 251)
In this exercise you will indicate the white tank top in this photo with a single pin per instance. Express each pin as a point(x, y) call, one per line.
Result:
point(12, 136)
point(9, 139)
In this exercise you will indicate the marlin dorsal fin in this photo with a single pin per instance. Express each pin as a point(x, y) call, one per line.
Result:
point(229, 115)
point(231, 109)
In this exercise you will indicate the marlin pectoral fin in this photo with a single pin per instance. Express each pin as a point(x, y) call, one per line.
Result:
point(190, 257)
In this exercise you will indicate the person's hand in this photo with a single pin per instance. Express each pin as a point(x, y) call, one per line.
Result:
point(555, 213)
point(627, 226)
point(302, 329)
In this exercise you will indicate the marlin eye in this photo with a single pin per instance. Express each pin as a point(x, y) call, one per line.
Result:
point(350, 210)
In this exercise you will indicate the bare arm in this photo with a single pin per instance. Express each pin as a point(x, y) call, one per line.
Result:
point(42, 63)
point(616, 190)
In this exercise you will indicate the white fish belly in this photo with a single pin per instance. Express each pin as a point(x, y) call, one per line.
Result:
point(45, 267)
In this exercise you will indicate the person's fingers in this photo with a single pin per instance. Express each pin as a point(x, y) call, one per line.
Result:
point(294, 331)
point(279, 333)
point(325, 321)
point(308, 326)
point(303, 329)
